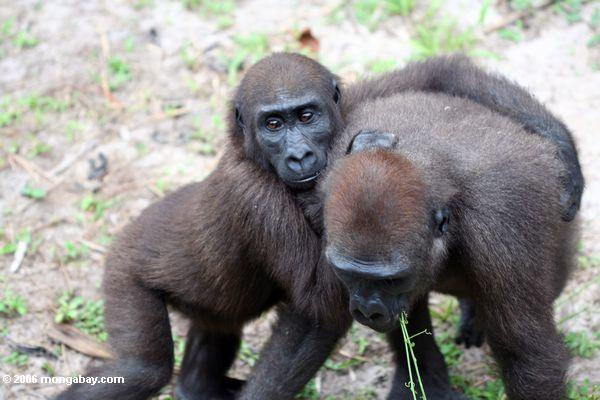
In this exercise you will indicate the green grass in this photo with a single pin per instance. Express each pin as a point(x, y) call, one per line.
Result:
point(220, 10)
point(371, 13)
point(12, 109)
point(12, 305)
point(441, 37)
point(412, 363)
point(583, 391)
point(119, 73)
point(73, 252)
point(570, 9)
point(247, 354)
point(179, 348)
point(513, 33)
point(25, 40)
point(9, 247)
point(95, 206)
point(33, 192)
point(86, 315)
point(382, 65)
point(583, 344)
point(17, 359)
point(248, 49)
point(521, 5)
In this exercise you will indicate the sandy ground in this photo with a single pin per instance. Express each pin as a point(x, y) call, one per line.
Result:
point(163, 126)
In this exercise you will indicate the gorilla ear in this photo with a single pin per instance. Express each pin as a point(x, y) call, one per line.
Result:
point(441, 219)
point(372, 140)
point(337, 95)
point(238, 117)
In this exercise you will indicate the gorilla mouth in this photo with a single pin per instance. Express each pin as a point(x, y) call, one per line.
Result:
point(309, 178)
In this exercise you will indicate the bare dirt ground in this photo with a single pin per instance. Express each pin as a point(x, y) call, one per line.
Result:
point(145, 84)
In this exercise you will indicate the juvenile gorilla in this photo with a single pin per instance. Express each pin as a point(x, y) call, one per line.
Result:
point(464, 201)
point(225, 250)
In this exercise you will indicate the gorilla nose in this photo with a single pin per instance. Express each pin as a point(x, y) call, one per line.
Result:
point(370, 310)
point(302, 161)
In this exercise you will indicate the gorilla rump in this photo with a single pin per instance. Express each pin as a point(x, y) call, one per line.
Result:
point(442, 194)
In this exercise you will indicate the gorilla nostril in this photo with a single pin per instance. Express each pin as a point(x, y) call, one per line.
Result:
point(376, 316)
point(294, 164)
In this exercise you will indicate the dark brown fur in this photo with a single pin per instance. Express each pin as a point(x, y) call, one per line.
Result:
point(224, 250)
point(506, 246)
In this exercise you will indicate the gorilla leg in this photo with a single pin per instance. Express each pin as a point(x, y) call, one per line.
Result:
point(469, 332)
point(140, 337)
point(294, 353)
point(432, 366)
point(526, 344)
point(208, 356)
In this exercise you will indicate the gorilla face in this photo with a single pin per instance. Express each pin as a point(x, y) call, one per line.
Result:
point(295, 135)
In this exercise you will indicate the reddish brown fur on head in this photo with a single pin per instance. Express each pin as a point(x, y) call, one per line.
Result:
point(374, 199)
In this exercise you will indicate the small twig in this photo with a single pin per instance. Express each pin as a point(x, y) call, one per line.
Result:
point(424, 331)
point(94, 246)
point(33, 170)
point(352, 356)
point(515, 16)
point(19, 256)
point(103, 72)
point(78, 341)
point(67, 162)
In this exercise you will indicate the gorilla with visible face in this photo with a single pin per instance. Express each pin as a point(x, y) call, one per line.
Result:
point(247, 238)
point(433, 198)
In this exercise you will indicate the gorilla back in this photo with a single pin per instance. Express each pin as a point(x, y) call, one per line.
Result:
point(450, 196)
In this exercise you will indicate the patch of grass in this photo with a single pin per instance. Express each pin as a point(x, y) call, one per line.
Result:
point(222, 10)
point(179, 348)
point(25, 40)
point(119, 73)
point(33, 192)
point(95, 206)
point(309, 392)
point(74, 251)
point(371, 12)
point(247, 354)
point(483, 11)
point(163, 186)
point(514, 33)
point(570, 9)
point(11, 246)
point(38, 149)
point(6, 28)
point(400, 7)
point(86, 315)
point(441, 37)
point(140, 4)
point(249, 48)
point(521, 5)
point(204, 137)
point(595, 20)
point(12, 305)
point(489, 390)
point(583, 391)
point(342, 365)
point(188, 57)
point(13, 109)
point(382, 65)
point(48, 369)
point(17, 359)
point(583, 344)
point(72, 128)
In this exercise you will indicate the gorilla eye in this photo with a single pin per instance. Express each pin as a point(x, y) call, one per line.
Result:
point(273, 124)
point(306, 116)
